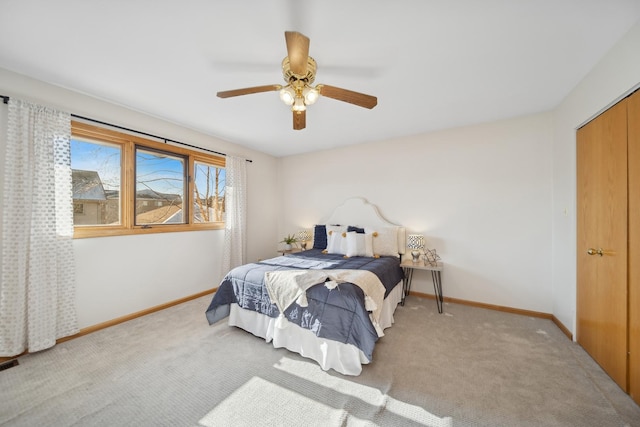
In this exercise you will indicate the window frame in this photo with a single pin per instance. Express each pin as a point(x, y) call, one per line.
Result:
point(185, 183)
point(128, 144)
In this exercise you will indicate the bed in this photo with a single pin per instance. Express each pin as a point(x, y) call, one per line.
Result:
point(330, 303)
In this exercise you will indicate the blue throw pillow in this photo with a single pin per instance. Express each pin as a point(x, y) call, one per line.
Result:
point(320, 237)
point(356, 229)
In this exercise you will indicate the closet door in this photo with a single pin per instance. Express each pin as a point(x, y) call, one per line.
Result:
point(633, 116)
point(602, 241)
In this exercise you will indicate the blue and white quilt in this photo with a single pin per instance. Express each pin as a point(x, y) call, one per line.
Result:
point(336, 312)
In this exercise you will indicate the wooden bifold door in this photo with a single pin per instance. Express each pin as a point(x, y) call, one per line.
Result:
point(608, 242)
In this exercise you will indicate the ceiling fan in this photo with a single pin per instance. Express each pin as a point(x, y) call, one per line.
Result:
point(299, 72)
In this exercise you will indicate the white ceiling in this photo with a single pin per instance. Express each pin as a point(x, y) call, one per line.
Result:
point(433, 64)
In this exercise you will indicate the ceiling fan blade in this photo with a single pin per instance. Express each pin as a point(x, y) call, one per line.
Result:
point(248, 91)
point(299, 120)
point(298, 51)
point(355, 98)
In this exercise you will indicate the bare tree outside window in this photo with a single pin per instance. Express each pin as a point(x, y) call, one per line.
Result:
point(209, 183)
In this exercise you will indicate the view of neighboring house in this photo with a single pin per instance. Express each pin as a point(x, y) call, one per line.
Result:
point(93, 205)
point(153, 207)
point(90, 199)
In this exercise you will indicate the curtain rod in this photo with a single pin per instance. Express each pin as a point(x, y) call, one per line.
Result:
point(5, 99)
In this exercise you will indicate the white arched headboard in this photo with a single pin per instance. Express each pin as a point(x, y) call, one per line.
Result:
point(357, 211)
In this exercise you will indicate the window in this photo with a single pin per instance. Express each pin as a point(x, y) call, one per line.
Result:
point(208, 193)
point(96, 176)
point(160, 188)
point(124, 184)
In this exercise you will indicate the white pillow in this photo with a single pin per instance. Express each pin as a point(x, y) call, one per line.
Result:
point(385, 243)
point(336, 242)
point(337, 228)
point(359, 244)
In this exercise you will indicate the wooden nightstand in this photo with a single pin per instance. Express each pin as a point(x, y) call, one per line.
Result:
point(289, 251)
point(436, 274)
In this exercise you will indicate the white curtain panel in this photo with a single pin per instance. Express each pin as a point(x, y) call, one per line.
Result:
point(236, 209)
point(37, 293)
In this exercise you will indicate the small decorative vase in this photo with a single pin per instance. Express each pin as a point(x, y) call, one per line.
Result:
point(287, 247)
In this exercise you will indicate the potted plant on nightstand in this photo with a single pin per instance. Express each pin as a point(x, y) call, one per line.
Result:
point(289, 241)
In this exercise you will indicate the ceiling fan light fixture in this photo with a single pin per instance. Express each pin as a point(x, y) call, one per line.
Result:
point(288, 95)
point(298, 104)
point(310, 94)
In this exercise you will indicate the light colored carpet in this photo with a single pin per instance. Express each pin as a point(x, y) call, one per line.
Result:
point(466, 367)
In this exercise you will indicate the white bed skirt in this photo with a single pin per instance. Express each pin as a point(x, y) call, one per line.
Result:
point(344, 358)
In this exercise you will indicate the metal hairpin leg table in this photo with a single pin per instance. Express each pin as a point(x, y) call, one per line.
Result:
point(436, 275)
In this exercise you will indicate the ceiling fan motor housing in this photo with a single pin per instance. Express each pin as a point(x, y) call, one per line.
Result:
point(308, 78)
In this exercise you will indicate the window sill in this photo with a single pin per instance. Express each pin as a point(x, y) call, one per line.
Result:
point(91, 232)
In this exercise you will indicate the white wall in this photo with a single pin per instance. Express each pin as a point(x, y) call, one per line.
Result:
point(117, 276)
point(480, 194)
point(614, 76)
